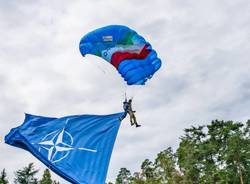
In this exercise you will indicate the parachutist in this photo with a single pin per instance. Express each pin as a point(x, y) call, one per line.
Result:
point(127, 106)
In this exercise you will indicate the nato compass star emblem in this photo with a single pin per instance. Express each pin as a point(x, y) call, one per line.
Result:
point(58, 144)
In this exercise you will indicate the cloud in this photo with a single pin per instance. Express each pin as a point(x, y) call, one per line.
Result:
point(204, 47)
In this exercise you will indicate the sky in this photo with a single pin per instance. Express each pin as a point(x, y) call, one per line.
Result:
point(204, 47)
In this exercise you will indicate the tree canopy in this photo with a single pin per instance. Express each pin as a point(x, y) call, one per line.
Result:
point(215, 153)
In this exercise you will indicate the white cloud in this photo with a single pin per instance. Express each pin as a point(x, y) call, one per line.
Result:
point(204, 47)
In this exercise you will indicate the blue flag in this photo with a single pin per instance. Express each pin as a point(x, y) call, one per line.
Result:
point(78, 148)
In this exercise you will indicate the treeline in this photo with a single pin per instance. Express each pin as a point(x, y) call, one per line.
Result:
point(218, 153)
point(27, 175)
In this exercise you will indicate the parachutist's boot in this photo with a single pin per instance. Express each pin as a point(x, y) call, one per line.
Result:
point(137, 125)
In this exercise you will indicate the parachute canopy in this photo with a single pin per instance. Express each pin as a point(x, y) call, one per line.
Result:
point(127, 51)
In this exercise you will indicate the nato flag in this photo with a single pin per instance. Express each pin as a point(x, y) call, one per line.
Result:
point(78, 148)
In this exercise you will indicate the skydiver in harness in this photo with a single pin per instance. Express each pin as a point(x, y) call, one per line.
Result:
point(127, 106)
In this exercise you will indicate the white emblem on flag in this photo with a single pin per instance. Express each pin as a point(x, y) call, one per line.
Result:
point(58, 145)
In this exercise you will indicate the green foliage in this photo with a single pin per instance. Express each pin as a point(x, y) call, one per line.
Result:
point(165, 167)
point(124, 176)
point(26, 175)
point(57, 182)
point(217, 153)
point(162, 170)
point(3, 177)
point(46, 179)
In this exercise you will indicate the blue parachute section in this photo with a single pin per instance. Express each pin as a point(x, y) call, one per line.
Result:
point(126, 50)
point(78, 148)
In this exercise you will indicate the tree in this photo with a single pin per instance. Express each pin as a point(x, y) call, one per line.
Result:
point(190, 155)
point(46, 179)
point(3, 178)
point(147, 175)
point(26, 175)
point(137, 178)
point(246, 173)
point(165, 167)
point(57, 182)
point(124, 176)
point(148, 171)
point(232, 150)
point(216, 153)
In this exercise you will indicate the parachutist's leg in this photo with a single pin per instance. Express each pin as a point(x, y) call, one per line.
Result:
point(134, 118)
point(136, 124)
point(131, 119)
